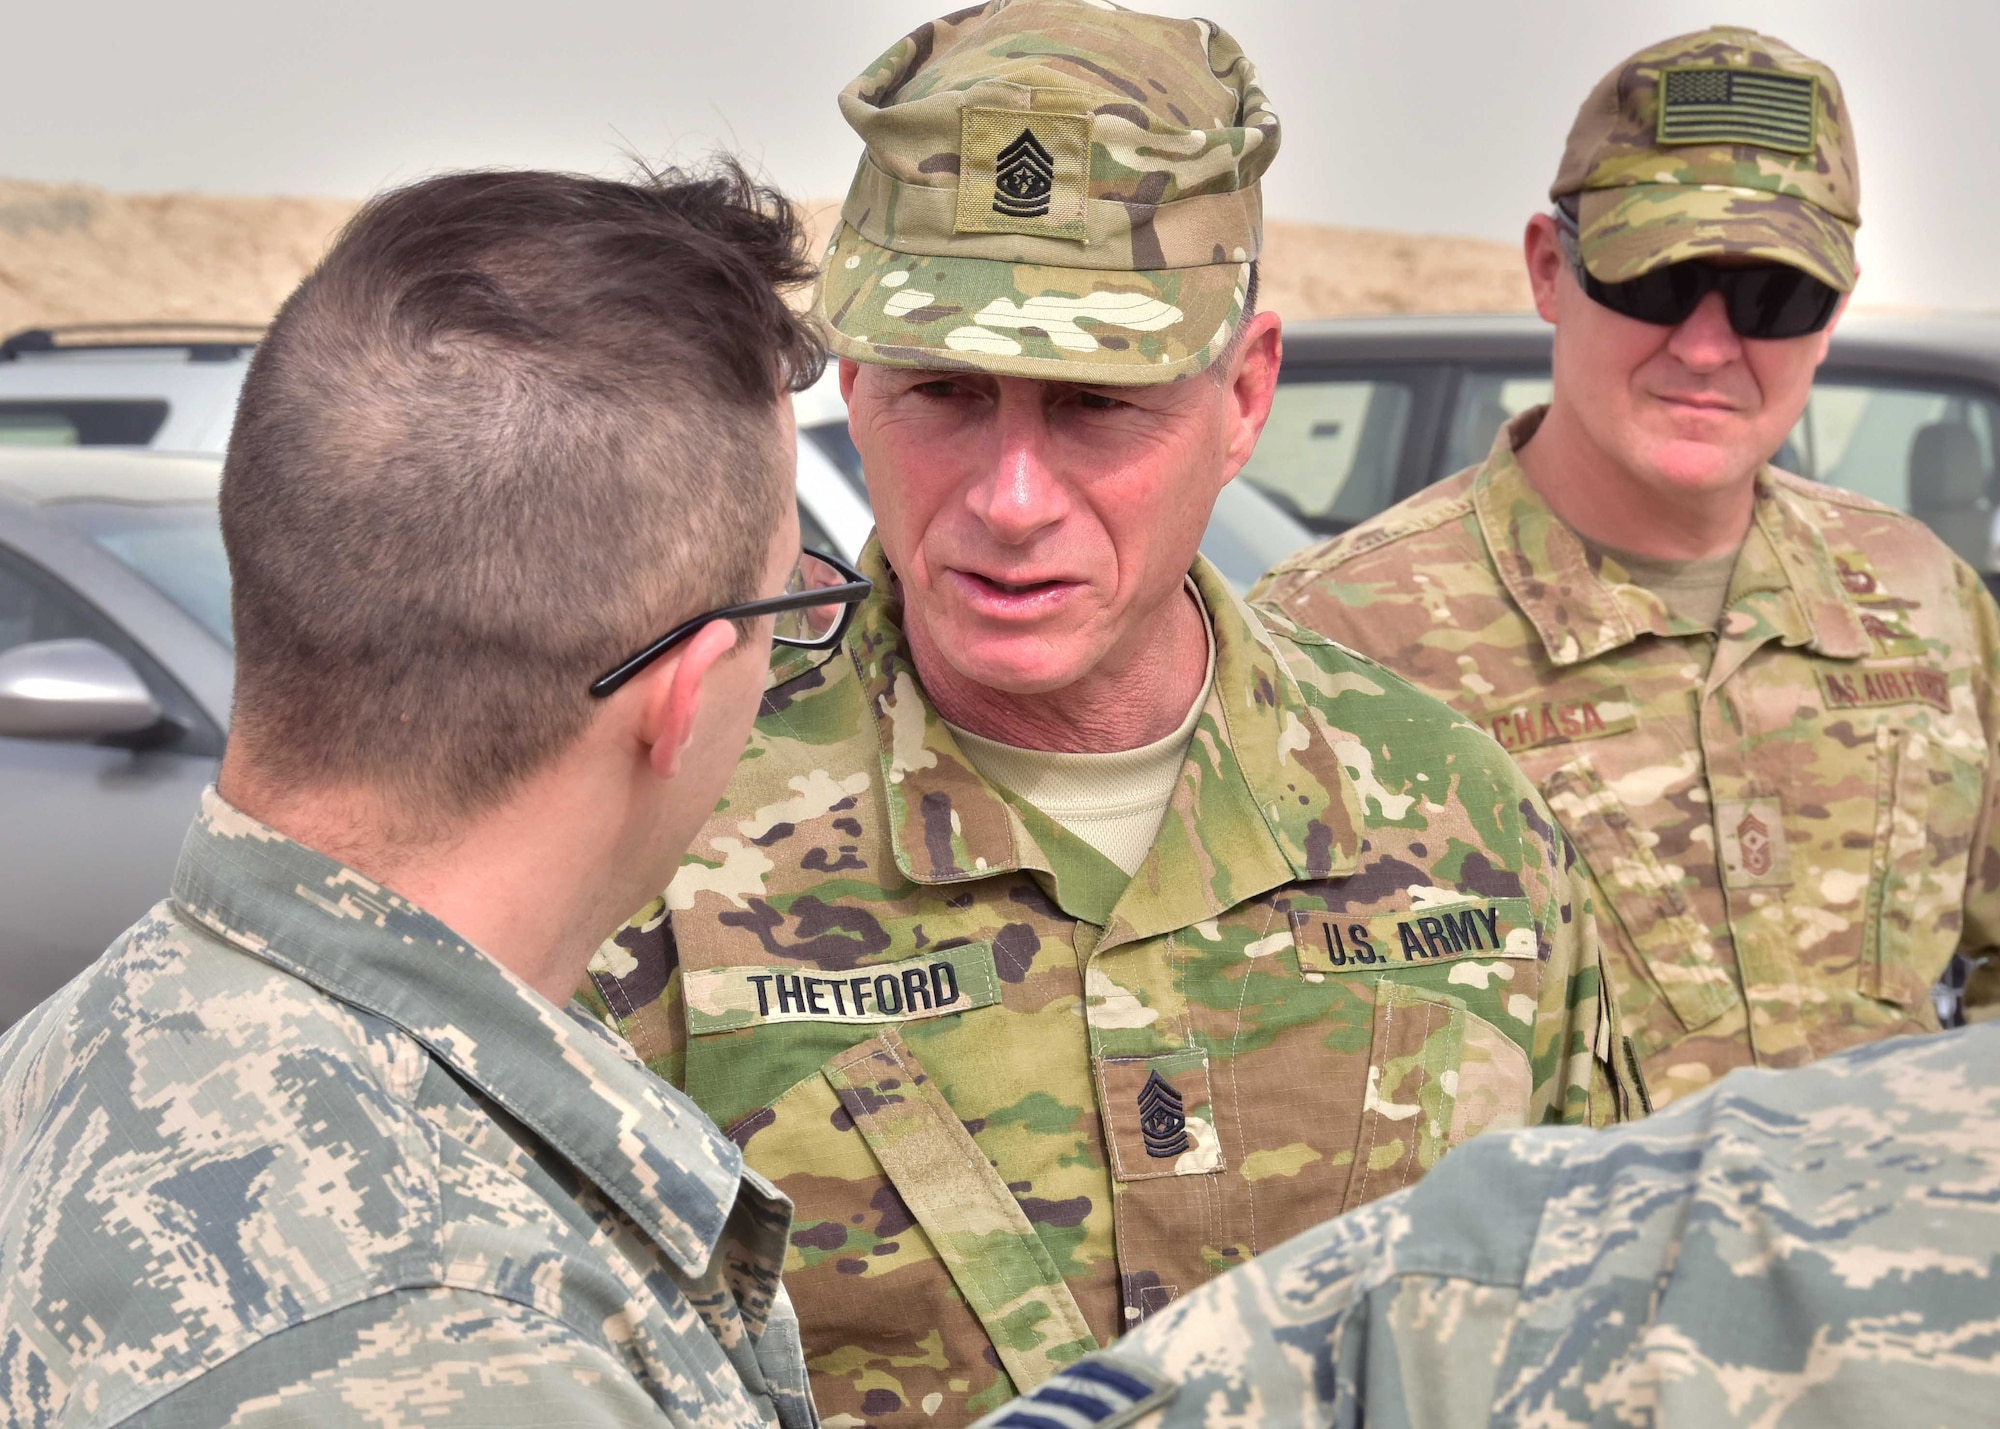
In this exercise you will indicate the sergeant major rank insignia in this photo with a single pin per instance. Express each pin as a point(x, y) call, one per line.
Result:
point(1162, 1120)
point(1023, 171)
point(1023, 177)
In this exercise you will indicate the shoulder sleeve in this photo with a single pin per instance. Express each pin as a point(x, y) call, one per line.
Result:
point(635, 986)
point(452, 1355)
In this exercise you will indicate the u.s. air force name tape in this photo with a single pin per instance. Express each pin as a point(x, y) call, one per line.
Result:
point(935, 984)
point(1371, 942)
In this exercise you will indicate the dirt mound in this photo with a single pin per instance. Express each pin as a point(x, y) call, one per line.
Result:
point(70, 253)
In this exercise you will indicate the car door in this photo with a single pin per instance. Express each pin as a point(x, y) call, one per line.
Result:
point(1344, 441)
point(89, 832)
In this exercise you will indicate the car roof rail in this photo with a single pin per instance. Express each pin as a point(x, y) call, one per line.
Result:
point(204, 341)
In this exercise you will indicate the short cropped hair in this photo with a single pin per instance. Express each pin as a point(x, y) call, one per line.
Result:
point(513, 426)
point(1219, 368)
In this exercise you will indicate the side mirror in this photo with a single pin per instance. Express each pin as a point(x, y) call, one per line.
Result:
point(72, 690)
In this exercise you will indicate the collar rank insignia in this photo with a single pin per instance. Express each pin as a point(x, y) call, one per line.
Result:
point(1024, 175)
point(1161, 1120)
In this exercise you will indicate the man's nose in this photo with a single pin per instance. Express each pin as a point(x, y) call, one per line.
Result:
point(1705, 341)
point(1021, 494)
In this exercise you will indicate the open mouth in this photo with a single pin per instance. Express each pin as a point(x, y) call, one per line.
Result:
point(1016, 597)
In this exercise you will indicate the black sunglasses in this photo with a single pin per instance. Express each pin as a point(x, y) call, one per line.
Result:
point(1766, 302)
point(812, 614)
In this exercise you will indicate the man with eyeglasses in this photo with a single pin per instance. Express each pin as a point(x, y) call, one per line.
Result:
point(1763, 709)
point(1071, 932)
point(319, 1141)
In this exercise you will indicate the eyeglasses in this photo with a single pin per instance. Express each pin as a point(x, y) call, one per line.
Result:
point(1766, 302)
point(812, 614)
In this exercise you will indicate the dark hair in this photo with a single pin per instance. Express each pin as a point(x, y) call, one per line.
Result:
point(513, 425)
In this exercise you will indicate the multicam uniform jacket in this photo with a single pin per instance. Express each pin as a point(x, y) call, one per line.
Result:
point(1021, 1100)
point(1788, 1250)
point(1789, 823)
point(291, 1152)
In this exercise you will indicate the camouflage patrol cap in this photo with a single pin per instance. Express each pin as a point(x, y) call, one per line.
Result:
point(1721, 142)
point(1051, 188)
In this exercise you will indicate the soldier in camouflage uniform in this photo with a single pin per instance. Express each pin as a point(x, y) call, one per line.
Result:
point(1763, 709)
point(1802, 1248)
point(295, 1150)
point(1027, 1082)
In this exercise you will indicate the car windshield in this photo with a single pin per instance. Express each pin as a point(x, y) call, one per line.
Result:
point(175, 547)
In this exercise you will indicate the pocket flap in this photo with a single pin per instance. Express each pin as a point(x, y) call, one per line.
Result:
point(976, 1226)
point(1678, 954)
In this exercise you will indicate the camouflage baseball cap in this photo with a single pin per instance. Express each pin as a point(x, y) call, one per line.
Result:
point(1051, 188)
point(1725, 141)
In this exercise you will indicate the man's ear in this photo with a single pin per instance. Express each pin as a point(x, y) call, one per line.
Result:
point(669, 695)
point(1251, 384)
point(1546, 262)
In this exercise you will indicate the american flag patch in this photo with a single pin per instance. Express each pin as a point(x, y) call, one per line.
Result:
point(1738, 106)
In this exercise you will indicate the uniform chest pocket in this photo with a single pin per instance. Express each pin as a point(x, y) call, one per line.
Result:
point(1438, 1074)
point(1926, 804)
point(1645, 899)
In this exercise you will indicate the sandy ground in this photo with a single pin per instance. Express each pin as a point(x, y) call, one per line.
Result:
point(70, 253)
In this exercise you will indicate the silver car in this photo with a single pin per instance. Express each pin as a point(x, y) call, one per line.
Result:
point(114, 694)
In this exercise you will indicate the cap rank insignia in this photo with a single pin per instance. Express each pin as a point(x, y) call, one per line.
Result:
point(1023, 171)
point(1024, 175)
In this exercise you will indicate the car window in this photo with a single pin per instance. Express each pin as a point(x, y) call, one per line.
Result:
point(175, 547)
point(836, 443)
point(1927, 450)
point(36, 607)
point(44, 422)
point(812, 535)
point(1487, 400)
point(1330, 451)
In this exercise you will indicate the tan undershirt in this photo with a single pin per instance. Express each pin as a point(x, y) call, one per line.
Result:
point(1113, 802)
point(1693, 590)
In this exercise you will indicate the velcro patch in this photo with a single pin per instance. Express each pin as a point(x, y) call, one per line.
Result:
point(1857, 687)
point(1020, 171)
point(950, 980)
point(1158, 1116)
point(1750, 837)
point(1605, 711)
point(1373, 942)
point(1102, 1392)
point(1706, 104)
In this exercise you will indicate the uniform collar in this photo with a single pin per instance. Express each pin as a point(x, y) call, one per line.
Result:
point(1263, 799)
point(1786, 584)
point(641, 1142)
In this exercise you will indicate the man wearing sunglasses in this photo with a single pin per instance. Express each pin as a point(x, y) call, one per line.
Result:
point(1763, 709)
point(1071, 932)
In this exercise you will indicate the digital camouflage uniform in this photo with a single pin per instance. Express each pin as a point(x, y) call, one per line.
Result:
point(1788, 1250)
point(1019, 1100)
point(293, 1153)
point(1789, 822)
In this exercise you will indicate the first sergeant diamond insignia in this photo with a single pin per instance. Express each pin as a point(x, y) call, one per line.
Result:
point(1024, 175)
point(1162, 1122)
